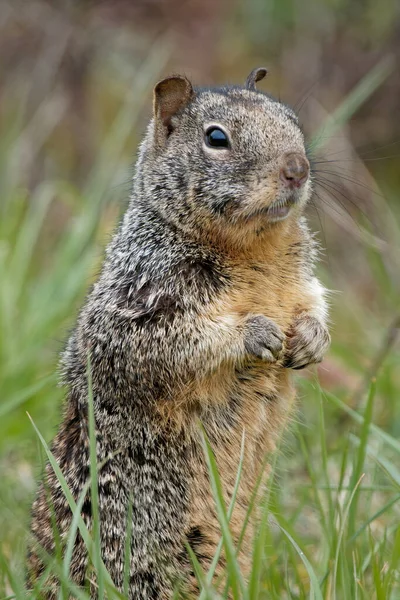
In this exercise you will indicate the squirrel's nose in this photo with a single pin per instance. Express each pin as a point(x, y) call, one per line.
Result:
point(294, 170)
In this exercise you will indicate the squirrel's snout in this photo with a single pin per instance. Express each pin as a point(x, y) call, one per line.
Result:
point(294, 170)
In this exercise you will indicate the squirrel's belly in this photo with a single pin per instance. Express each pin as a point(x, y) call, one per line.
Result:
point(251, 417)
point(265, 393)
point(254, 402)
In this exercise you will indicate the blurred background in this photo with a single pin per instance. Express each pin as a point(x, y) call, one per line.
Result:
point(75, 96)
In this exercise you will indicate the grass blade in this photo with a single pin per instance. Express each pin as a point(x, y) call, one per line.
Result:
point(94, 486)
point(367, 86)
point(360, 458)
point(315, 592)
point(70, 499)
point(236, 579)
point(211, 571)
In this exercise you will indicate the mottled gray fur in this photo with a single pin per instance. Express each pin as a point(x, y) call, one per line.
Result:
point(154, 329)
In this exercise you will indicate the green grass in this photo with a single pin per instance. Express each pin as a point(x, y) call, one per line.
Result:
point(330, 524)
point(349, 549)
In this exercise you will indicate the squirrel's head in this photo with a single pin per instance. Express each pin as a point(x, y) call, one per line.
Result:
point(224, 158)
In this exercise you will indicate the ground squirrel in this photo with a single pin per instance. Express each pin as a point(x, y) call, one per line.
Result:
point(206, 301)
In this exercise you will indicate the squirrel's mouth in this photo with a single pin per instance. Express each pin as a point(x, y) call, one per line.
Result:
point(278, 210)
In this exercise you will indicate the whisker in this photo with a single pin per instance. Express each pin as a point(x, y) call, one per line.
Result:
point(330, 190)
point(339, 217)
point(381, 147)
point(339, 170)
point(345, 160)
point(346, 220)
point(333, 153)
point(303, 99)
point(361, 155)
point(351, 180)
point(322, 230)
point(331, 185)
point(381, 158)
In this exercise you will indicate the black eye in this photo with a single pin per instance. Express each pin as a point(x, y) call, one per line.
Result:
point(216, 138)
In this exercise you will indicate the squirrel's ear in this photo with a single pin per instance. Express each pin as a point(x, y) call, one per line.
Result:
point(255, 75)
point(170, 95)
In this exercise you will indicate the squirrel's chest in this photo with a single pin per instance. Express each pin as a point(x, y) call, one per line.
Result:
point(272, 291)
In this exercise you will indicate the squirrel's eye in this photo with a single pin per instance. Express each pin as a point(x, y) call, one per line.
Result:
point(216, 138)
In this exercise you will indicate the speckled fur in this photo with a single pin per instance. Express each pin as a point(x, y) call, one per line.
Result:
point(171, 328)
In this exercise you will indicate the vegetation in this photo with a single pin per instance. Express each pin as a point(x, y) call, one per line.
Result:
point(330, 524)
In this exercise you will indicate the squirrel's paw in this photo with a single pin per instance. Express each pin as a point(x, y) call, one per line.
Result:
point(263, 338)
point(306, 342)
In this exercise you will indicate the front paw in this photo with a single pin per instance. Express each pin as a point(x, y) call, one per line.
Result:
point(263, 338)
point(306, 342)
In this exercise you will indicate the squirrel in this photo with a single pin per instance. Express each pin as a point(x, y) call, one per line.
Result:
point(207, 300)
